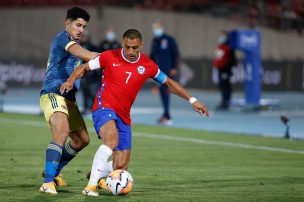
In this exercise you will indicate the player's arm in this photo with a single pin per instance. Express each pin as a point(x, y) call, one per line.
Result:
point(82, 53)
point(177, 89)
point(78, 73)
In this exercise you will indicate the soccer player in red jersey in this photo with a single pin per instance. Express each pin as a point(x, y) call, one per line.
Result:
point(125, 71)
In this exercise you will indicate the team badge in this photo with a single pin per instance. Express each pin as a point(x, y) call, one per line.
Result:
point(141, 69)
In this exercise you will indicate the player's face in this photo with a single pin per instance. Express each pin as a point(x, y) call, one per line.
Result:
point(76, 28)
point(131, 48)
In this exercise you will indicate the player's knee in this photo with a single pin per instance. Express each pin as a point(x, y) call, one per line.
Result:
point(111, 140)
point(80, 143)
point(113, 143)
point(60, 138)
point(85, 141)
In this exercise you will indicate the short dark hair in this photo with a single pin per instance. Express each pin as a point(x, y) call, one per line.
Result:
point(76, 12)
point(132, 34)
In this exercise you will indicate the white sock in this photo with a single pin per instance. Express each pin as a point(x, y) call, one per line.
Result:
point(107, 169)
point(99, 163)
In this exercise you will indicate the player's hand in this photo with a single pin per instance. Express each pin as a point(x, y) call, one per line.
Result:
point(66, 87)
point(200, 108)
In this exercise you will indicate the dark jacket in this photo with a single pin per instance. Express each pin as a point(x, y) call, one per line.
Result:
point(164, 52)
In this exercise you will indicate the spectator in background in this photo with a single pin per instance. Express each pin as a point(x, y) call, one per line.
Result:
point(3, 89)
point(164, 52)
point(109, 42)
point(224, 61)
point(90, 82)
point(253, 15)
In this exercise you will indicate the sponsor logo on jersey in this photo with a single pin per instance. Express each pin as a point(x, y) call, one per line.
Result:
point(141, 69)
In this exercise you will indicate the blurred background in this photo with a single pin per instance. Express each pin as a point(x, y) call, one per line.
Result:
point(28, 26)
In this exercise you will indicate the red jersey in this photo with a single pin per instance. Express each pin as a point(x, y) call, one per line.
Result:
point(122, 80)
point(221, 60)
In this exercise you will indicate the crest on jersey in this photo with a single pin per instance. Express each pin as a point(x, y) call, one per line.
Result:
point(141, 69)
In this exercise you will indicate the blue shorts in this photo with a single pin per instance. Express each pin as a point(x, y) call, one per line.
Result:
point(102, 116)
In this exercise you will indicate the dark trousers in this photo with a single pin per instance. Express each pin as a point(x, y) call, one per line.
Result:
point(225, 88)
point(88, 92)
point(165, 99)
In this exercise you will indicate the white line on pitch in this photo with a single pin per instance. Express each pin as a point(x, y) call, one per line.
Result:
point(172, 138)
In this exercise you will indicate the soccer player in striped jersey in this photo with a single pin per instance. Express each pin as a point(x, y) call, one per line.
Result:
point(125, 71)
point(60, 110)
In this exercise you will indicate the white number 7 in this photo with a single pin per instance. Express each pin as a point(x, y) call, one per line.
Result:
point(129, 75)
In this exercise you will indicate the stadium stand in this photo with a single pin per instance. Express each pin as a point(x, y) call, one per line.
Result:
point(281, 15)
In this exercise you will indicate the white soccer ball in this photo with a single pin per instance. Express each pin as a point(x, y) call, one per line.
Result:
point(119, 182)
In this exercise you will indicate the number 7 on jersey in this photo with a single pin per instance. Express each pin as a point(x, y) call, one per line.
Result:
point(129, 75)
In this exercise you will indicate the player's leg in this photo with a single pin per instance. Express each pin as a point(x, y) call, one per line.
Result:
point(55, 111)
point(79, 140)
point(108, 133)
point(121, 154)
point(121, 159)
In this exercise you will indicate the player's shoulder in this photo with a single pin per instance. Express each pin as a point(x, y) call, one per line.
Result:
point(63, 35)
point(62, 39)
point(110, 55)
point(146, 60)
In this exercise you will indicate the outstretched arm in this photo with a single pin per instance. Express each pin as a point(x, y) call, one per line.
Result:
point(177, 89)
point(82, 53)
point(76, 74)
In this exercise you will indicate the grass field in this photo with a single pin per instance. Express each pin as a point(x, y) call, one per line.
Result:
point(167, 165)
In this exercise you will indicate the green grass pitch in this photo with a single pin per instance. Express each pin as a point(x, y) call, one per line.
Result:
point(167, 164)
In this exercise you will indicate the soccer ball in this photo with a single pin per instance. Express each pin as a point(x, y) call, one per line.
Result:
point(119, 182)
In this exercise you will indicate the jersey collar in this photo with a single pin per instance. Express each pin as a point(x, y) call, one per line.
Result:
point(122, 54)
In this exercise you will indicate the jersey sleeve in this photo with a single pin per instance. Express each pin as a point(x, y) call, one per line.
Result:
point(158, 75)
point(102, 59)
point(65, 41)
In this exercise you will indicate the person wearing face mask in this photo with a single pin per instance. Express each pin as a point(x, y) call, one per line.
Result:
point(110, 41)
point(165, 53)
point(224, 61)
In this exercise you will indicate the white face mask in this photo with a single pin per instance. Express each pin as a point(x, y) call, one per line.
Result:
point(158, 32)
point(110, 36)
point(222, 39)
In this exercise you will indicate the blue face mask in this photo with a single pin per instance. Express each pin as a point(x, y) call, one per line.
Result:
point(110, 36)
point(158, 32)
point(222, 39)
